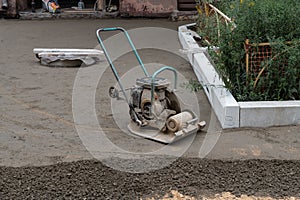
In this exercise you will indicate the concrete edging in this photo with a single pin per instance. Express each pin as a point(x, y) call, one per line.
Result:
point(233, 114)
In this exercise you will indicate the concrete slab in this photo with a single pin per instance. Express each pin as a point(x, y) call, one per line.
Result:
point(223, 103)
point(269, 113)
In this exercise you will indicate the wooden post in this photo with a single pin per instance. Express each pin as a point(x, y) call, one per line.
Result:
point(247, 46)
point(206, 8)
point(247, 56)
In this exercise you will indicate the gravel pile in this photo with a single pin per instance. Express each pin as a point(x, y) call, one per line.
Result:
point(193, 177)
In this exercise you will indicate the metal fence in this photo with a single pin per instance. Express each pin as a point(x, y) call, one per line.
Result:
point(259, 56)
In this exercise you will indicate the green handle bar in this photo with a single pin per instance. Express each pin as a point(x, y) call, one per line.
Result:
point(131, 45)
point(158, 72)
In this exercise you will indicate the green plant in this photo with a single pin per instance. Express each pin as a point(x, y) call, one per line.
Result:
point(192, 85)
point(275, 22)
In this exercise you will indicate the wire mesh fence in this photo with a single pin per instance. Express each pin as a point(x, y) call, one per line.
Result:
point(260, 57)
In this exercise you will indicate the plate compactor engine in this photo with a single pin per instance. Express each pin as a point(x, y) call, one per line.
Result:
point(154, 108)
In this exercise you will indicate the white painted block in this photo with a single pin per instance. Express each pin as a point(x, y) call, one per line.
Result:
point(269, 113)
point(187, 41)
point(62, 52)
point(223, 103)
point(226, 108)
point(229, 112)
point(186, 37)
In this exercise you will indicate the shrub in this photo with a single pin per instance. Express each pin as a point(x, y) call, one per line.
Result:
point(275, 22)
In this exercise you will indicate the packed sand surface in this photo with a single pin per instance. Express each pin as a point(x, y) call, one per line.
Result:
point(42, 155)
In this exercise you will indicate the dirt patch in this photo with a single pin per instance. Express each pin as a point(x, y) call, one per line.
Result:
point(193, 177)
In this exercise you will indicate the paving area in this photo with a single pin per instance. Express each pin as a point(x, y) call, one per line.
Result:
point(43, 156)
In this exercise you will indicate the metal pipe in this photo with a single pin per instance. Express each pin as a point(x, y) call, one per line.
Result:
point(158, 72)
point(112, 66)
point(130, 43)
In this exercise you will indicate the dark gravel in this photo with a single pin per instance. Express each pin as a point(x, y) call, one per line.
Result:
point(93, 180)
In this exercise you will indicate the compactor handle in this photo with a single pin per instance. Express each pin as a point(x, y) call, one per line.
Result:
point(158, 72)
point(112, 66)
point(130, 43)
point(111, 29)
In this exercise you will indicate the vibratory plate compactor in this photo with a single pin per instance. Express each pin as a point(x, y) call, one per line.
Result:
point(154, 108)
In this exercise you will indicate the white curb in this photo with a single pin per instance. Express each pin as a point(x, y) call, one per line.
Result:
point(233, 114)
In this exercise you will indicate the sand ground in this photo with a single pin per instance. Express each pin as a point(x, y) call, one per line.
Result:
point(36, 119)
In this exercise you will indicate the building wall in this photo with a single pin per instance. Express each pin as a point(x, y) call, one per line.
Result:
point(147, 8)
